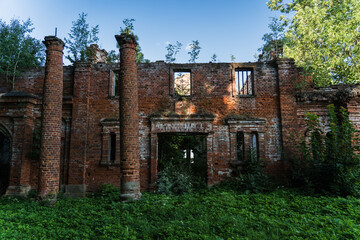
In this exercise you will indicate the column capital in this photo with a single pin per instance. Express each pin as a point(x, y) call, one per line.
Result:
point(125, 39)
point(52, 40)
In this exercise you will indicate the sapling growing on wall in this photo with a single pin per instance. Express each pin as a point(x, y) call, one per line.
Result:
point(194, 52)
point(172, 50)
point(214, 58)
point(80, 37)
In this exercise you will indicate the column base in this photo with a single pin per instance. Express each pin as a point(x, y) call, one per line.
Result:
point(21, 191)
point(130, 191)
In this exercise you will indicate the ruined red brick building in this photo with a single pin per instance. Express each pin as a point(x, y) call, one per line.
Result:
point(82, 145)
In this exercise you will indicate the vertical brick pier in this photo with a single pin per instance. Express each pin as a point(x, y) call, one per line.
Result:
point(129, 119)
point(51, 119)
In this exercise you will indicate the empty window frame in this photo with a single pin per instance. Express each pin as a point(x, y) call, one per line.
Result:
point(254, 146)
point(182, 83)
point(240, 147)
point(114, 84)
point(244, 81)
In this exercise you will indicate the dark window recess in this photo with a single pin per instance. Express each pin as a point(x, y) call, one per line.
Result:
point(240, 146)
point(182, 83)
point(244, 81)
point(112, 147)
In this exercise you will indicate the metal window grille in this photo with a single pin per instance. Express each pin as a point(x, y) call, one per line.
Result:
point(244, 81)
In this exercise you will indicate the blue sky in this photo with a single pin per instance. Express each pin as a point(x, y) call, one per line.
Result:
point(223, 27)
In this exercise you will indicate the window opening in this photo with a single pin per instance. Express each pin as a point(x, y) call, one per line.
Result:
point(115, 84)
point(240, 146)
point(182, 83)
point(244, 81)
point(112, 147)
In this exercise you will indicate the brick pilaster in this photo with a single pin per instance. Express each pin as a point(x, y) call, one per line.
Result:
point(129, 119)
point(287, 73)
point(51, 118)
point(79, 130)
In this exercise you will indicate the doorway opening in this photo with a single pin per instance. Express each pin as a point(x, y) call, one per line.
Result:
point(182, 161)
point(4, 163)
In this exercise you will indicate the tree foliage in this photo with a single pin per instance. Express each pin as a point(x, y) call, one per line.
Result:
point(323, 38)
point(80, 38)
point(194, 52)
point(172, 50)
point(18, 50)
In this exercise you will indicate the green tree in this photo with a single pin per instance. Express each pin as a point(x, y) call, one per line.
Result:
point(194, 51)
point(18, 50)
point(274, 40)
point(323, 38)
point(80, 38)
point(172, 50)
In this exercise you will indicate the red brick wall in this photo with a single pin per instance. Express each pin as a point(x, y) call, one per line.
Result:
point(275, 112)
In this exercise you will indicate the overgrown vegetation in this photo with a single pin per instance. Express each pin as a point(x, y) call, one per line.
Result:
point(330, 162)
point(210, 214)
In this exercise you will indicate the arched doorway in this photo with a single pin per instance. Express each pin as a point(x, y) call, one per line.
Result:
point(4, 162)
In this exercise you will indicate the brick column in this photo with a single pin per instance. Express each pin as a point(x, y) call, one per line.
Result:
point(51, 118)
point(129, 118)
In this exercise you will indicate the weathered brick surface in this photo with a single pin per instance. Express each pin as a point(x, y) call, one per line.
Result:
point(90, 112)
point(51, 118)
